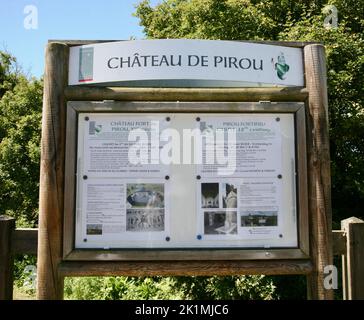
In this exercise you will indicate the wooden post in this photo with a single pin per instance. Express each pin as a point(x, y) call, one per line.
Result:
point(319, 181)
point(50, 282)
point(353, 260)
point(7, 226)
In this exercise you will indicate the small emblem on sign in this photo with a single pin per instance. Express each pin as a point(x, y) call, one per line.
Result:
point(86, 64)
point(281, 66)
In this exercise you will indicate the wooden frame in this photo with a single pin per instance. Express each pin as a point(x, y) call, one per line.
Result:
point(72, 254)
point(51, 266)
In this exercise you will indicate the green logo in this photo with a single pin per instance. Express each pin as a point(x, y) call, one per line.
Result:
point(281, 66)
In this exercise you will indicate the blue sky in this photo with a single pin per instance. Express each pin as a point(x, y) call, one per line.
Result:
point(63, 19)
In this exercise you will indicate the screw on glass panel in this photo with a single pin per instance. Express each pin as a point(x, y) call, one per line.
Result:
point(166, 177)
point(198, 119)
point(87, 118)
point(199, 237)
point(278, 119)
point(267, 254)
point(198, 177)
point(279, 176)
point(168, 119)
point(281, 235)
point(168, 238)
point(85, 240)
point(85, 177)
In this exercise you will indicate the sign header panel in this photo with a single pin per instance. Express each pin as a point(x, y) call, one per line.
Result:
point(184, 62)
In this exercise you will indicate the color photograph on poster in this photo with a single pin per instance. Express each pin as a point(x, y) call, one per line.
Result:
point(145, 195)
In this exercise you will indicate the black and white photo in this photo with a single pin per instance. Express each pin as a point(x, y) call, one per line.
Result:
point(145, 220)
point(209, 195)
point(220, 222)
point(229, 198)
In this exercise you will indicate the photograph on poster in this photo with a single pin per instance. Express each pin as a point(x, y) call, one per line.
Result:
point(229, 198)
point(94, 229)
point(209, 195)
point(145, 195)
point(259, 218)
point(220, 222)
point(145, 220)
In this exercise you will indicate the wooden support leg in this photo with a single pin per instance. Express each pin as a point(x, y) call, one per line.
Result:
point(7, 226)
point(50, 282)
point(353, 260)
point(319, 170)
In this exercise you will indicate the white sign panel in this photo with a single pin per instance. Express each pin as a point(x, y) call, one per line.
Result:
point(246, 201)
point(172, 62)
point(169, 201)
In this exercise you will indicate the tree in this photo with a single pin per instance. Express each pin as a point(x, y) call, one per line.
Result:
point(20, 128)
point(295, 21)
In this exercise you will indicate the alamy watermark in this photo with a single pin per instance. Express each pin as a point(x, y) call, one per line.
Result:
point(331, 19)
point(30, 277)
point(208, 146)
point(30, 21)
point(330, 279)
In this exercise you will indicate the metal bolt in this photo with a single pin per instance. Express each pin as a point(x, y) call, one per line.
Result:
point(84, 177)
point(198, 177)
point(87, 118)
point(168, 238)
point(166, 177)
point(168, 119)
point(279, 176)
point(198, 119)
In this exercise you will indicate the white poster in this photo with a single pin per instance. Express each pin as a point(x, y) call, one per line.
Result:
point(122, 186)
point(244, 146)
point(246, 199)
point(125, 146)
point(241, 177)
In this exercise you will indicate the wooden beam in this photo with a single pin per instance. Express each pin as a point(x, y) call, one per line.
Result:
point(50, 283)
point(353, 261)
point(319, 180)
point(25, 241)
point(186, 268)
point(89, 93)
point(338, 242)
point(7, 226)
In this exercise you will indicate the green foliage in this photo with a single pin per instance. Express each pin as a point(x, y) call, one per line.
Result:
point(24, 279)
point(226, 288)
point(8, 72)
point(20, 130)
point(159, 288)
point(345, 65)
point(294, 21)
